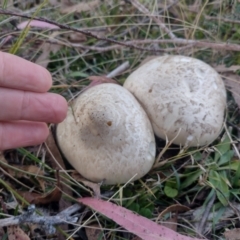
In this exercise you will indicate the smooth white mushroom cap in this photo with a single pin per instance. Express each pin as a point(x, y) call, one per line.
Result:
point(109, 137)
point(184, 98)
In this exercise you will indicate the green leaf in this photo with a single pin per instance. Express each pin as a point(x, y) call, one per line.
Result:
point(226, 157)
point(191, 178)
point(134, 207)
point(170, 192)
point(78, 74)
point(235, 193)
point(220, 184)
point(197, 156)
point(146, 212)
point(234, 165)
point(236, 178)
point(222, 148)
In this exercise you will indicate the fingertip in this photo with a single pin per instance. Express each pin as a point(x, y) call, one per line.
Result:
point(60, 109)
point(64, 109)
point(42, 132)
point(46, 79)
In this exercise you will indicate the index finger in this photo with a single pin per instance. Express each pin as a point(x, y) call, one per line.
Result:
point(18, 73)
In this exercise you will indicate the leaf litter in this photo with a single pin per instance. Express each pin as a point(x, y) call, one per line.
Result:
point(233, 234)
point(16, 233)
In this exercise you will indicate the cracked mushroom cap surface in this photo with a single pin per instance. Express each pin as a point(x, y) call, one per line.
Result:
point(184, 98)
point(107, 135)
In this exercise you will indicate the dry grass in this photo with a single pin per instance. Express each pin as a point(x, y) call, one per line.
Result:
point(207, 30)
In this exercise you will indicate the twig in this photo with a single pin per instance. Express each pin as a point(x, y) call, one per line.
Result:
point(64, 26)
point(187, 44)
point(132, 44)
point(144, 10)
point(118, 70)
point(47, 222)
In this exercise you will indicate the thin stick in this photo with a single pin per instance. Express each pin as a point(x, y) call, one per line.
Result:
point(47, 222)
point(119, 70)
point(180, 41)
point(131, 44)
point(186, 43)
point(64, 26)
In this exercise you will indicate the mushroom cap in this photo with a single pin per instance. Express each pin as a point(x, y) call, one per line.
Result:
point(107, 135)
point(184, 98)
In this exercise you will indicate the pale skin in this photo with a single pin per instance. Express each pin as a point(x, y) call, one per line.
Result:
point(25, 105)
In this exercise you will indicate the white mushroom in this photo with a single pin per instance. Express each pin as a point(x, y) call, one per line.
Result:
point(184, 98)
point(107, 135)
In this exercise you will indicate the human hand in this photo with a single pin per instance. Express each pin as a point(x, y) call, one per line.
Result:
point(25, 105)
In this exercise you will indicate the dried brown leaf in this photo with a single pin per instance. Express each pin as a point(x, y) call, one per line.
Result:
point(29, 196)
point(94, 186)
point(35, 170)
point(26, 168)
point(171, 223)
point(38, 172)
point(176, 208)
point(77, 37)
point(37, 198)
point(233, 234)
point(93, 232)
point(16, 233)
point(81, 7)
